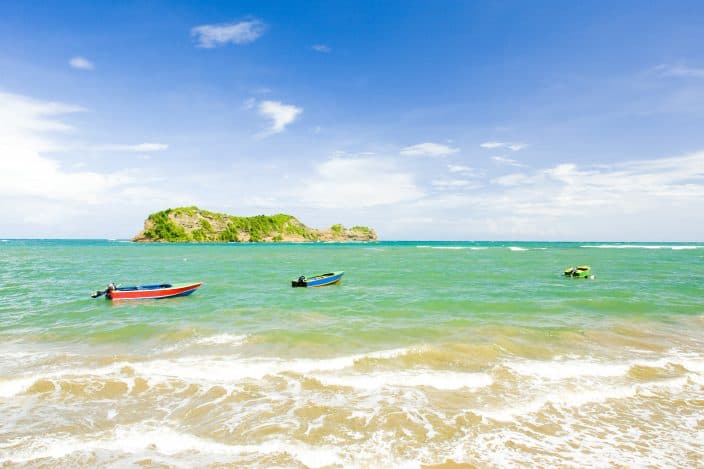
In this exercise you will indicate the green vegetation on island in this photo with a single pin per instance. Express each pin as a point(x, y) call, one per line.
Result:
point(191, 224)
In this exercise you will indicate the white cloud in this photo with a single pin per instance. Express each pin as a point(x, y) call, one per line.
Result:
point(38, 190)
point(137, 148)
point(428, 149)
point(280, 114)
point(24, 172)
point(679, 71)
point(645, 199)
point(214, 35)
point(81, 63)
point(492, 145)
point(457, 168)
point(512, 179)
point(450, 183)
point(358, 183)
point(321, 48)
point(510, 146)
point(507, 161)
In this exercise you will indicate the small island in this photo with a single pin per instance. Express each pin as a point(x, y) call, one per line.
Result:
point(192, 224)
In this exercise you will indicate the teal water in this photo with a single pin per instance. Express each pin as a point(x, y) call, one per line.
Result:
point(476, 352)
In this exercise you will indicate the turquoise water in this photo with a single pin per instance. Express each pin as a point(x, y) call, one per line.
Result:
point(427, 352)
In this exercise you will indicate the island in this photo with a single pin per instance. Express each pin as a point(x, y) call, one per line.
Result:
point(194, 225)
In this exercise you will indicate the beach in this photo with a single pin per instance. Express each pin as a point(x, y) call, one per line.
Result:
point(427, 353)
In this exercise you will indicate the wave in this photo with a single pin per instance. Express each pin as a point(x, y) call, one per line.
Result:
point(437, 379)
point(353, 370)
point(142, 439)
point(218, 339)
point(565, 369)
point(223, 370)
point(544, 404)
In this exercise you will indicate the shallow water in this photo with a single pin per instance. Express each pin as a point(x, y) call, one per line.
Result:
point(427, 353)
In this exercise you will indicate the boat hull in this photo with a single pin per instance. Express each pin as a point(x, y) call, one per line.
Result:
point(149, 292)
point(319, 281)
point(581, 271)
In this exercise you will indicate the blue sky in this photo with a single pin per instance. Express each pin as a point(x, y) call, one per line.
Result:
point(425, 120)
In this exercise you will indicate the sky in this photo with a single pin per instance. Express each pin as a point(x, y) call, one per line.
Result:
point(447, 120)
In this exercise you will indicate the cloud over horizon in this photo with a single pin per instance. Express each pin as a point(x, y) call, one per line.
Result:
point(358, 183)
point(38, 189)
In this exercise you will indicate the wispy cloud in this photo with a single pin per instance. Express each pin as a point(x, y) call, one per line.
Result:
point(510, 146)
point(321, 48)
point(679, 70)
point(137, 148)
point(445, 184)
point(428, 149)
point(359, 183)
point(280, 114)
point(507, 161)
point(40, 190)
point(461, 169)
point(214, 35)
point(81, 63)
point(622, 201)
point(25, 173)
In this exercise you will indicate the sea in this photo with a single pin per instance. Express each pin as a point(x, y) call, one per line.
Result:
point(428, 354)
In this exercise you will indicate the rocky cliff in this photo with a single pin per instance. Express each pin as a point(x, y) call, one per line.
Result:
point(191, 224)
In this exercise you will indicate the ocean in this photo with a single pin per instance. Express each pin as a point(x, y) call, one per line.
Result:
point(428, 354)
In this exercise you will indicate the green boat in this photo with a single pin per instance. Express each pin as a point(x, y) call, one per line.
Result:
point(581, 271)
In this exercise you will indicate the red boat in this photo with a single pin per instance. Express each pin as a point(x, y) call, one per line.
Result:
point(144, 292)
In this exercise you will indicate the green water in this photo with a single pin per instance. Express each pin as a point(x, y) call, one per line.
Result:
point(474, 344)
point(417, 290)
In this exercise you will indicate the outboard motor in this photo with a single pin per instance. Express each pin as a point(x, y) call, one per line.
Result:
point(301, 282)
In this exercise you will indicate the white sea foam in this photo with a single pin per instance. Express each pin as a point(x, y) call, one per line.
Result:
point(12, 387)
point(577, 368)
point(453, 248)
point(560, 370)
point(222, 339)
point(516, 248)
point(569, 399)
point(20, 384)
point(209, 369)
point(641, 246)
point(438, 379)
point(564, 398)
point(555, 382)
point(228, 370)
point(142, 439)
point(218, 339)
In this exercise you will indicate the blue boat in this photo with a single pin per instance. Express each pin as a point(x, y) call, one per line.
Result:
point(318, 280)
